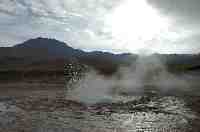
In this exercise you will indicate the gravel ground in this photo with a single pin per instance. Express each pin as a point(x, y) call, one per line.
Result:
point(45, 110)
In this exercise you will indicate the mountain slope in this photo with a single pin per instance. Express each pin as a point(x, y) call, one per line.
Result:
point(43, 52)
point(54, 48)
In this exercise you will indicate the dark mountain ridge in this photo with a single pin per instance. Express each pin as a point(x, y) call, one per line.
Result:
point(53, 48)
point(45, 52)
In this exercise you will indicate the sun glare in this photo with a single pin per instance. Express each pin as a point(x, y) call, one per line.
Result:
point(134, 23)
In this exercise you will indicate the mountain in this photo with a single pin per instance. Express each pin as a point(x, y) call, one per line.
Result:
point(44, 53)
point(51, 47)
point(57, 49)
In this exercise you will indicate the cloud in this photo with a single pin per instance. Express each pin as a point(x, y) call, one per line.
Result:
point(183, 35)
point(183, 11)
point(66, 20)
point(81, 23)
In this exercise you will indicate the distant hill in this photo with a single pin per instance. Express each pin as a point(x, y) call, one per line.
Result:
point(51, 47)
point(57, 49)
point(44, 53)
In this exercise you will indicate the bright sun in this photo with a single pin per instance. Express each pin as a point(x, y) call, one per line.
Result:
point(134, 23)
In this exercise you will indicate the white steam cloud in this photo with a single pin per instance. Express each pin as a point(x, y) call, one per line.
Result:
point(148, 74)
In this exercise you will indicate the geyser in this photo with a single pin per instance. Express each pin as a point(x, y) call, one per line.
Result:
point(146, 74)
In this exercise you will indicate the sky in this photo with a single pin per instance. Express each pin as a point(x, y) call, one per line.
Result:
point(136, 26)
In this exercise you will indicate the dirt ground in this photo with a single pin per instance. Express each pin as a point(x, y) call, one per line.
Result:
point(35, 106)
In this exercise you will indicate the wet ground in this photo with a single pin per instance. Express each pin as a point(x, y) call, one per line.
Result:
point(33, 109)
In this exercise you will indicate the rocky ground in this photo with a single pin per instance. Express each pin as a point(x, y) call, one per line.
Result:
point(33, 109)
